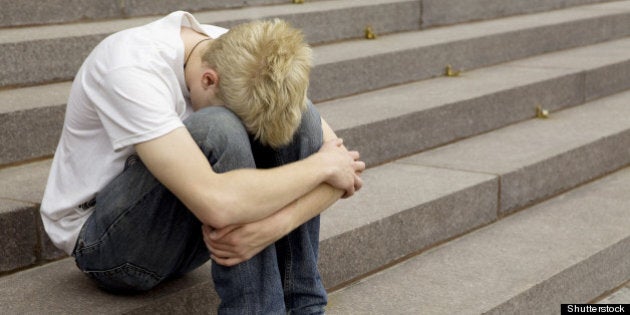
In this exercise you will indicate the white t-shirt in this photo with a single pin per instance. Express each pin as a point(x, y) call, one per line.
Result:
point(130, 89)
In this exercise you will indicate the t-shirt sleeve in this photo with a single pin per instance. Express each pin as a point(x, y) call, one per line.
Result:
point(136, 105)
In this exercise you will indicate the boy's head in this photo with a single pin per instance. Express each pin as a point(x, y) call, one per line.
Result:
point(264, 71)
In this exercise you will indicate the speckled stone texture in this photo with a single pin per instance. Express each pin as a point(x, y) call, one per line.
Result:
point(539, 158)
point(442, 12)
point(400, 58)
point(452, 203)
point(399, 121)
point(31, 12)
point(40, 290)
point(18, 235)
point(401, 210)
point(64, 47)
point(24, 238)
point(570, 249)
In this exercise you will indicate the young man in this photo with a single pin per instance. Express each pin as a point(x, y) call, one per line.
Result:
point(184, 142)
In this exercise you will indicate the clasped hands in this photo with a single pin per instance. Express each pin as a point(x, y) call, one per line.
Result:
point(234, 244)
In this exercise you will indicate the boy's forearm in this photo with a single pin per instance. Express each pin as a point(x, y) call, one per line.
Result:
point(257, 194)
point(309, 206)
point(239, 196)
point(244, 195)
point(234, 244)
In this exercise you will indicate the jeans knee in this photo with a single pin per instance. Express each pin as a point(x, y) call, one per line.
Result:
point(220, 133)
point(309, 135)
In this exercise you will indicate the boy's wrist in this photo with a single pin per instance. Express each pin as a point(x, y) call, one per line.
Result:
point(283, 221)
point(323, 170)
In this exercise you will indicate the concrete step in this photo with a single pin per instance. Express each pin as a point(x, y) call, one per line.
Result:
point(367, 65)
point(64, 47)
point(23, 242)
point(33, 12)
point(31, 120)
point(49, 287)
point(435, 12)
point(360, 65)
point(392, 59)
point(569, 249)
point(532, 161)
point(539, 158)
point(415, 204)
point(392, 122)
point(618, 296)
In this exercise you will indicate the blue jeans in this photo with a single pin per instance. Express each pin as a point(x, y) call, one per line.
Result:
point(140, 234)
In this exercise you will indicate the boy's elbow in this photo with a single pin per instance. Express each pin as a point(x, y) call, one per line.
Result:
point(219, 212)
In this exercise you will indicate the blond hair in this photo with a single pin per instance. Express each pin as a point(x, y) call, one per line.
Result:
point(263, 69)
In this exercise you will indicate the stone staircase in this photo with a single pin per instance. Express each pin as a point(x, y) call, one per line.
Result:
point(470, 205)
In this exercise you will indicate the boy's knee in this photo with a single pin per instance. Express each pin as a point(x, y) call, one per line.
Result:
point(214, 119)
point(311, 120)
point(220, 133)
point(309, 134)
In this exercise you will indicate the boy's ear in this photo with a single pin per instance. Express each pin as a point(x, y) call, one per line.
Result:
point(210, 78)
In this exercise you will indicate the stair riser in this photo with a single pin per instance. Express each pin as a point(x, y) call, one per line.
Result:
point(30, 134)
point(361, 251)
point(440, 12)
point(18, 237)
point(44, 61)
point(582, 283)
point(569, 249)
point(23, 240)
point(394, 138)
point(384, 140)
point(563, 172)
point(607, 80)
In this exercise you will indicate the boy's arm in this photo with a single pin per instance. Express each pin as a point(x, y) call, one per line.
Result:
point(244, 195)
point(234, 244)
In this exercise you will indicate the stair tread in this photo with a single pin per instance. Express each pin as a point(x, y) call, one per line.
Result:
point(60, 288)
point(25, 182)
point(511, 150)
point(431, 93)
point(393, 188)
point(533, 260)
point(404, 98)
point(46, 95)
point(455, 44)
point(438, 12)
point(575, 144)
point(385, 180)
point(430, 37)
point(418, 99)
point(355, 111)
point(37, 282)
point(567, 249)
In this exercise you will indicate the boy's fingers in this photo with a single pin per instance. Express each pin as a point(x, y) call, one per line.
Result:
point(218, 234)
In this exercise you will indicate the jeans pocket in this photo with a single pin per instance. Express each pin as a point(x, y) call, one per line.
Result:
point(126, 278)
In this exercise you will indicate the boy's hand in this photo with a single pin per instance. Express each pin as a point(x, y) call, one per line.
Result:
point(235, 244)
point(345, 165)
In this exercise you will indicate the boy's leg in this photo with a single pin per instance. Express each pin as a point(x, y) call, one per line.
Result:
point(141, 234)
point(297, 252)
